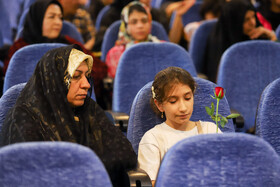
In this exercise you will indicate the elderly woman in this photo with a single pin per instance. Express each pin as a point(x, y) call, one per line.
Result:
point(55, 106)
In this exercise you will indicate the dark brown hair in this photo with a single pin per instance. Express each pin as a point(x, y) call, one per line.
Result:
point(165, 80)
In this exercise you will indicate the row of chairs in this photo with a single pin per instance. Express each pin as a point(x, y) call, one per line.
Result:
point(253, 61)
point(230, 159)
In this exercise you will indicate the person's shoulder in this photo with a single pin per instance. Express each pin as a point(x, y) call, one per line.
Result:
point(151, 134)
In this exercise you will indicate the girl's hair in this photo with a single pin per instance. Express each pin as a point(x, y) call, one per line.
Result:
point(165, 80)
point(138, 8)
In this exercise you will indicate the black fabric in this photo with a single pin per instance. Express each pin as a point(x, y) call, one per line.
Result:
point(272, 17)
point(42, 113)
point(32, 32)
point(227, 31)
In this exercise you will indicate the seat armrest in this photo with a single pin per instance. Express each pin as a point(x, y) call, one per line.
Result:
point(239, 121)
point(120, 119)
point(139, 178)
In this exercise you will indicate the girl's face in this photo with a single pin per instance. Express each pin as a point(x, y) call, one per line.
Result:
point(79, 86)
point(138, 25)
point(178, 106)
point(249, 22)
point(52, 22)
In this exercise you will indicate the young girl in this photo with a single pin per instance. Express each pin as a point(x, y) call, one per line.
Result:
point(135, 27)
point(173, 98)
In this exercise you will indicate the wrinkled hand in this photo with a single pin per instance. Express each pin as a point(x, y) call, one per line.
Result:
point(261, 31)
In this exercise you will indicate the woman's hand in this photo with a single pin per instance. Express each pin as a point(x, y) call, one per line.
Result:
point(184, 7)
point(180, 7)
point(262, 32)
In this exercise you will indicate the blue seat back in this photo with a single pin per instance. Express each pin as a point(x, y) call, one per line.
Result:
point(51, 164)
point(5, 26)
point(139, 64)
point(8, 100)
point(143, 118)
point(277, 32)
point(230, 159)
point(267, 119)
point(111, 36)
point(71, 30)
point(192, 14)
point(245, 69)
point(198, 43)
point(100, 16)
point(24, 61)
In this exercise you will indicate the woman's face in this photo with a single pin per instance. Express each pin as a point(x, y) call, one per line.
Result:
point(79, 86)
point(249, 22)
point(52, 22)
point(138, 25)
point(178, 106)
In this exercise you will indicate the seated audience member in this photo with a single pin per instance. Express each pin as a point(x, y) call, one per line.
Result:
point(43, 24)
point(209, 9)
point(173, 98)
point(269, 13)
point(136, 23)
point(55, 106)
point(73, 13)
point(236, 23)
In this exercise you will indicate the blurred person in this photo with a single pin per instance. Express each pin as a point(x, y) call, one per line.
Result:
point(136, 24)
point(236, 23)
point(269, 13)
point(209, 9)
point(43, 24)
point(81, 19)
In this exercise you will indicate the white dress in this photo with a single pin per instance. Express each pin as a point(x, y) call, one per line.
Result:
point(158, 140)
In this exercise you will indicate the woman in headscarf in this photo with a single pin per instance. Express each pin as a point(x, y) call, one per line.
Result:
point(43, 24)
point(236, 23)
point(55, 106)
point(136, 24)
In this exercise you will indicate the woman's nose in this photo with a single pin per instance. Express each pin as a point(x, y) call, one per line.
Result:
point(85, 84)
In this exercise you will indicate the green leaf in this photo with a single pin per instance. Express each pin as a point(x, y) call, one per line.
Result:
point(208, 110)
point(214, 118)
point(232, 116)
point(224, 119)
point(212, 108)
point(223, 123)
point(213, 97)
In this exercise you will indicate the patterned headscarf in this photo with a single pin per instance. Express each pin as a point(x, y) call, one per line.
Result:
point(123, 37)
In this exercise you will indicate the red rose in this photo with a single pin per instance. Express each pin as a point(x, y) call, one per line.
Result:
point(219, 92)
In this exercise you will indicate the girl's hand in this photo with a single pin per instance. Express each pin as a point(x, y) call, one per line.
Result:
point(262, 32)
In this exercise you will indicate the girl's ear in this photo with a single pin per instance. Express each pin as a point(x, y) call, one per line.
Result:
point(159, 105)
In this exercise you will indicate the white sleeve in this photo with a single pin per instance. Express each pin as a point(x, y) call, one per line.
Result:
point(149, 155)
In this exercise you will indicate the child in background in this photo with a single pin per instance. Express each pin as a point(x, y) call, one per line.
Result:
point(173, 98)
point(136, 24)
